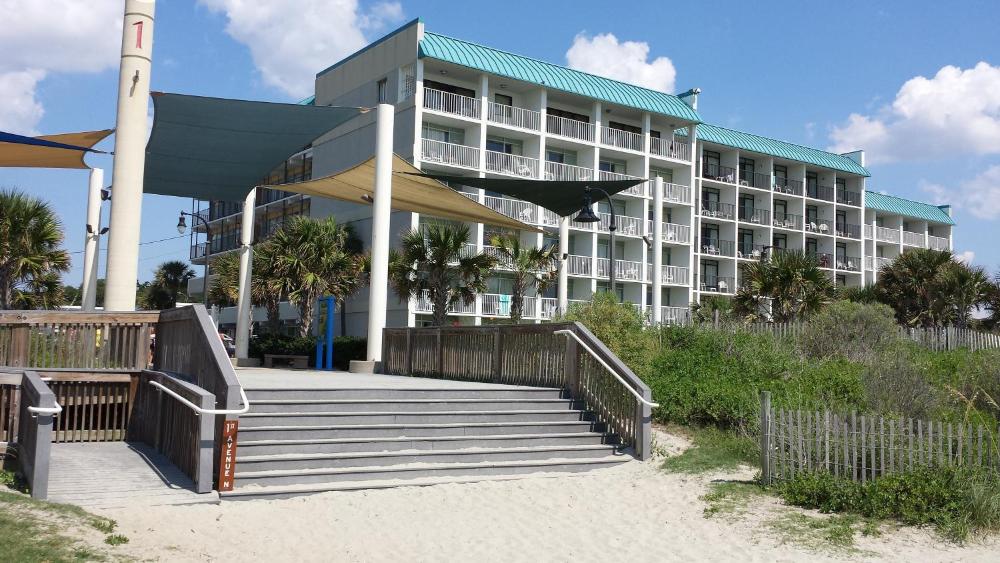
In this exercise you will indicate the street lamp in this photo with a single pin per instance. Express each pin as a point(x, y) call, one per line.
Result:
point(182, 227)
point(587, 215)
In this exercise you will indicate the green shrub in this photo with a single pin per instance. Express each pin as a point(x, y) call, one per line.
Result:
point(853, 331)
point(619, 326)
point(345, 348)
point(958, 501)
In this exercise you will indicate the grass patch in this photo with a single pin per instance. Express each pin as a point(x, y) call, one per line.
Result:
point(729, 498)
point(820, 533)
point(32, 530)
point(116, 539)
point(712, 449)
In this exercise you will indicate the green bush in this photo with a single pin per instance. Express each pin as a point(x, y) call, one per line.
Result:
point(619, 326)
point(345, 348)
point(958, 501)
point(852, 331)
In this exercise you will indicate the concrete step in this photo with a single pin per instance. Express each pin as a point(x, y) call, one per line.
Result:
point(255, 492)
point(333, 431)
point(420, 471)
point(527, 393)
point(418, 417)
point(291, 462)
point(408, 405)
point(344, 445)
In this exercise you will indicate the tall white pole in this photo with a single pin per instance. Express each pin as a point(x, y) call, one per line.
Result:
point(91, 249)
point(244, 305)
point(564, 269)
point(130, 155)
point(381, 211)
point(657, 250)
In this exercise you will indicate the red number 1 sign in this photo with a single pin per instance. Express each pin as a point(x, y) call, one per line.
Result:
point(138, 34)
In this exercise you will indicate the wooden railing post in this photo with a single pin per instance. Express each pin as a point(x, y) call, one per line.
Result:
point(19, 342)
point(408, 358)
point(497, 358)
point(765, 437)
point(439, 352)
point(571, 365)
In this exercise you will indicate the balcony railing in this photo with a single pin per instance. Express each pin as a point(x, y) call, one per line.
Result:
point(471, 195)
point(511, 164)
point(580, 265)
point(503, 260)
point(449, 153)
point(670, 148)
point(755, 180)
point(749, 250)
point(513, 208)
point(718, 210)
point(571, 128)
point(674, 315)
point(824, 193)
point(498, 305)
point(638, 190)
point(197, 251)
point(678, 234)
point(718, 173)
point(913, 239)
point(675, 275)
point(567, 172)
point(846, 197)
point(626, 225)
point(514, 116)
point(676, 193)
point(787, 221)
point(882, 262)
point(849, 263)
point(786, 186)
point(423, 304)
point(622, 139)
point(455, 104)
point(821, 226)
point(885, 234)
point(849, 230)
point(716, 284)
point(625, 270)
point(717, 247)
point(825, 259)
point(756, 216)
point(937, 243)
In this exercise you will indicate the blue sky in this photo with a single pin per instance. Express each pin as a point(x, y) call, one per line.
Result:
point(824, 74)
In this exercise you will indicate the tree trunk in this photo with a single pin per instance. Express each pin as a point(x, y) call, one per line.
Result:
point(305, 318)
point(439, 307)
point(516, 301)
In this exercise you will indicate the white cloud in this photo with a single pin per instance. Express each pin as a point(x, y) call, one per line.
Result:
point(627, 61)
point(957, 111)
point(980, 196)
point(291, 40)
point(40, 38)
point(967, 257)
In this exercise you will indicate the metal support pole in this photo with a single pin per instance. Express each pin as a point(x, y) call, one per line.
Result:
point(381, 214)
point(130, 155)
point(564, 265)
point(244, 305)
point(657, 250)
point(328, 364)
point(91, 249)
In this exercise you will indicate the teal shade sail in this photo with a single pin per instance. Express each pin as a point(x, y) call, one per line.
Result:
point(219, 149)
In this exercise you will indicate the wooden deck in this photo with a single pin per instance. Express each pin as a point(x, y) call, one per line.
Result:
point(117, 474)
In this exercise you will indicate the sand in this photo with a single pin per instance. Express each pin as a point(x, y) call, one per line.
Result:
point(632, 512)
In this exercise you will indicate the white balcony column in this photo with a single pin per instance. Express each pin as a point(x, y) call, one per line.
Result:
point(381, 215)
point(695, 224)
point(244, 307)
point(598, 118)
point(657, 249)
point(563, 264)
point(418, 113)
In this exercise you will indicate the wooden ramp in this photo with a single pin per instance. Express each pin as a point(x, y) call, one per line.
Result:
point(118, 474)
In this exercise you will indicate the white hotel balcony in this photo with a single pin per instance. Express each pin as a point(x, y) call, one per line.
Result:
point(937, 243)
point(671, 275)
point(625, 270)
point(638, 190)
point(569, 128)
point(452, 154)
point(672, 233)
point(625, 224)
point(913, 239)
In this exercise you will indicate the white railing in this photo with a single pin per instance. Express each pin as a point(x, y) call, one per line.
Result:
point(548, 307)
point(913, 239)
point(676, 275)
point(883, 234)
point(471, 195)
point(449, 153)
point(567, 172)
point(549, 218)
point(622, 139)
point(511, 164)
point(881, 262)
point(626, 225)
point(423, 305)
point(514, 116)
point(676, 193)
point(869, 263)
point(673, 315)
point(503, 260)
point(937, 243)
point(243, 397)
point(513, 208)
point(636, 190)
point(676, 233)
point(869, 232)
point(498, 305)
point(670, 148)
point(625, 270)
point(569, 128)
point(580, 265)
point(581, 226)
point(455, 104)
point(570, 334)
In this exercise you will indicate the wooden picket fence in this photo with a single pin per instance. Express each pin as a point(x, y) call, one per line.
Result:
point(936, 339)
point(862, 447)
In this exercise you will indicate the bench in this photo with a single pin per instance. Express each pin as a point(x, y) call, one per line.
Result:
point(286, 360)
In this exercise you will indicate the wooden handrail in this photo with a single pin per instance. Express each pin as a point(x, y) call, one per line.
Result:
point(611, 370)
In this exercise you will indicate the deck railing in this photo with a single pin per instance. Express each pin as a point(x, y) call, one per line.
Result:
point(676, 193)
point(511, 164)
point(636, 190)
point(529, 355)
point(911, 238)
point(571, 128)
point(937, 243)
point(787, 186)
point(580, 265)
point(620, 138)
point(847, 197)
point(449, 153)
point(815, 191)
point(448, 102)
point(514, 116)
point(568, 172)
point(884, 234)
point(787, 220)
point(670, 148)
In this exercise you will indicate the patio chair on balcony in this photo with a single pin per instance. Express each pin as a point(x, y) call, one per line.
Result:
point(524, 171)
point(723, 286)
point(628, 229)
point(755, 254)
point(525, 215)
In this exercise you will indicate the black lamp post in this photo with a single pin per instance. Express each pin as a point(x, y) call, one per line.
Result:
point(182, 227)
point(587, 215)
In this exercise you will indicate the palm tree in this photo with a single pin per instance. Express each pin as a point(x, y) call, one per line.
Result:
point(434, 261)
point(788, 286)
point(530, 266)
point(312, 258)
point(963, 287)
point(913, 286)
point(266, 289)
point(30, 236)
point(169, 285)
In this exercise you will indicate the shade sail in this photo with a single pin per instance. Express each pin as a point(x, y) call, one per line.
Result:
point(65, 150)
point(410, 192)
point(218, 148)
point(562, 197)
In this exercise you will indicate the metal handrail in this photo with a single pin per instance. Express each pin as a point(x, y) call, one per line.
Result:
point(46, 410)
point(199, 410)
point(606, 366)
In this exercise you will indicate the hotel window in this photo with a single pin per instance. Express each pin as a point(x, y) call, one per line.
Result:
point(605, 287)
point(780, 241)
point(443, 134)
point(614, 166)
point(780, 209)
point(666, 174)
point(812, 184)
point(602, 249)
point(625, 127)
point(709, 273)
point(383, 90)
point(602, 206)
point(841, 185)
point(567, 114)
point(503, 99)
point(841, 253)
point(710, 234)
point(560, 156)
point(812, 214)
point(710, 162)
point(842, 223)
point(841, 280)
point(746, 170)
point(780, 175)
point(434, 85)
point(812, 247)
point(746, 208)
point(506, 146)
point(746, 243)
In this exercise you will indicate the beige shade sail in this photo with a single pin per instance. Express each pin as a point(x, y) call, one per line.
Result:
point(409, 193)
point(17, 155)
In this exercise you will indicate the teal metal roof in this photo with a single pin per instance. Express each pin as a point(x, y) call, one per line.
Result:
point(899, 206)
point(310, 101)
point(773, 147)
point(526, 69)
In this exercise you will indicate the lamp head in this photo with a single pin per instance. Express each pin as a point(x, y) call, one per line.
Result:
point(181, 224)
point(586, 214)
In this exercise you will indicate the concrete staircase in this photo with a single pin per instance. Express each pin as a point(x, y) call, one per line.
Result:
point(303, 441)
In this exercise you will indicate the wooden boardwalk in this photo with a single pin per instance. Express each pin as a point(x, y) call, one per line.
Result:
point(118, 474)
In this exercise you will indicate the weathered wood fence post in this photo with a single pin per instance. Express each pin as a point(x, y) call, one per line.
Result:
point(765, 437)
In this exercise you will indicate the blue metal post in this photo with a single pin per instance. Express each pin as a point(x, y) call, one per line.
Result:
point(319, 351)
point(329, 333)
